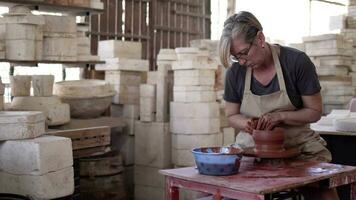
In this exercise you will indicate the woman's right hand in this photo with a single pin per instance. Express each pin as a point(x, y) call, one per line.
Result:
point(251, 124)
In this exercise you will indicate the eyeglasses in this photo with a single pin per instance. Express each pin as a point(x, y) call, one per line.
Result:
point(237, 57)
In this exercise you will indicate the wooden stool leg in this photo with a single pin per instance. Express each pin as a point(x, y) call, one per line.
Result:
point(217, 196)
point(172, 192)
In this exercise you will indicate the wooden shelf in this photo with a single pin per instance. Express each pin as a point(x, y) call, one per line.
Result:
point(43, 6)
point(36, 62)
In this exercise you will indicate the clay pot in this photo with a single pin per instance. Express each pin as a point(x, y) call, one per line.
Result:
point(269, 141)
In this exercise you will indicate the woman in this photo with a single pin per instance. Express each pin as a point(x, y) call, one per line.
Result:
point(271, 85)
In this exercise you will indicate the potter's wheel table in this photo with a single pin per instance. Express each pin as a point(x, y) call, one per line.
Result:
point(288, 153)
point(259, 181)
point(340, 144)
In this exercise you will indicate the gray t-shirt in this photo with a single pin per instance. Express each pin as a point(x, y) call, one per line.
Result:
point(298, 72)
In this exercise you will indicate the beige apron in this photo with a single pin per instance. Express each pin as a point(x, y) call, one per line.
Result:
point(312, 146)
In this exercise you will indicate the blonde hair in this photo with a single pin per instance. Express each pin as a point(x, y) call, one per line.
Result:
point(243, 24)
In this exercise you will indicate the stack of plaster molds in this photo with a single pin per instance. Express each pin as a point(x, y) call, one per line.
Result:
point(2, 91)
point(60, 38)
point(194, 113)
point(332, 55)
point(23, 34)
point(162, 81)
point(124, 69)
point(83, 53)
point(152, 153)
point(31, 164)
point(212, 46)
point(56, 112)
point(152, 136)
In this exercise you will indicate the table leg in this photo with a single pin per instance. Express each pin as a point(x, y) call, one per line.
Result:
point(172, 192)
point(217, 196)
point(353, 191)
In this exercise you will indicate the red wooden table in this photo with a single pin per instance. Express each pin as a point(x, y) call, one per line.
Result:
point(257, 181)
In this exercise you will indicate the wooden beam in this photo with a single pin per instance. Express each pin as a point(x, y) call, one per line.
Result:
point(331, 2)
point(231, 6)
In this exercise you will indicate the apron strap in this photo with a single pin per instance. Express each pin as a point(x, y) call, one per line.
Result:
point(277, 65)
point(247, 89)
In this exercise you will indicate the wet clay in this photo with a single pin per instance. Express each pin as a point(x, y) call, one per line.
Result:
point(269, 144)
point(269, 140)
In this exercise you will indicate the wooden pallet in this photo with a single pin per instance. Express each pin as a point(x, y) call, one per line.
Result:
point(86, 141)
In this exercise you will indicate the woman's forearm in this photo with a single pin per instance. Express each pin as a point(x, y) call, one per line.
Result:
point(238, 121)
point(300, 117)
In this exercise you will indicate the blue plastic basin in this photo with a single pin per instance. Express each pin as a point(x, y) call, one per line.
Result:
point(217, 161)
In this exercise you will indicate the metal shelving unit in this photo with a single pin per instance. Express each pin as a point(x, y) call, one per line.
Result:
point(48, 7)
point(43, 6)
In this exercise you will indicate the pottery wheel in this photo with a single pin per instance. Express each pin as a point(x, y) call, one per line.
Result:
point(288, 153)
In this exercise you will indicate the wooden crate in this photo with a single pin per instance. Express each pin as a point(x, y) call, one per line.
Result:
point(86, 141)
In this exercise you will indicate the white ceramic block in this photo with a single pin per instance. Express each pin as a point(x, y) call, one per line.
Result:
point(191, 50)
point(195, 125)
point(123, 64)
point(332, 70)
point(56, 113)
point(336, 99)
point(42, 85)
point(59, 24)
point(21, 125)
point(24, 19)
point(1, 102)
point(194, 78)
point(48, 186)
point(163, 80)
point(20, 85)
point(123, 78)
point(126, 89)
point(191, 97)
point(199, 63)
point(339, 91)
point(119, 49)
point(147, 192)
point(131, 99)
point(189, 142)
point(36, 156)
point(131, 111)
point(194, 81)
point(194, 110)
point(148, 176)
point(346, 124)
point(61, 48)
point(182, 157)
point(20, 32)
point(147, 90)
point(129, 129)
point(228, 136)
point(147, 109)
point(20, 49)
point(152, 144)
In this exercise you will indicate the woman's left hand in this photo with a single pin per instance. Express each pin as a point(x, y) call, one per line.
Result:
point(269, 120)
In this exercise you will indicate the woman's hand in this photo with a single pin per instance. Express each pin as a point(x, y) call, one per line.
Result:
point(251, 125)
point(269, 120)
